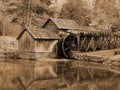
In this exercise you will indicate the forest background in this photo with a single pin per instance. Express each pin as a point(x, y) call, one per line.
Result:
point(101, 14)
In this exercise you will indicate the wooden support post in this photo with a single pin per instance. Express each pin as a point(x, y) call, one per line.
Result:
point(78, 41)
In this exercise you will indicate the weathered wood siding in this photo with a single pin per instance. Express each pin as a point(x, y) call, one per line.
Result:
point(45, 45)
point(51, 26)
point(26, 42)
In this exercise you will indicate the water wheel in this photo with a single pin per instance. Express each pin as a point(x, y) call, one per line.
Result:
point(69, 45)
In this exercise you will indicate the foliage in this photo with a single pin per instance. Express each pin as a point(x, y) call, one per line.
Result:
point(107, 15)
point(76, 11)
point(13, 14)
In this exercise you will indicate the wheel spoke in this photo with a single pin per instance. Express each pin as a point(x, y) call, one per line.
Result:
point(73, 41)
point(70, 39)
point(67, 43)
point(67, 48)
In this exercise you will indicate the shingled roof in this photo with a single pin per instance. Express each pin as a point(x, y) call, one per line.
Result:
point(40, 33)
point(63, 23)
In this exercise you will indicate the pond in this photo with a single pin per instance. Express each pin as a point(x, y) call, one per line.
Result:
point(57, 75)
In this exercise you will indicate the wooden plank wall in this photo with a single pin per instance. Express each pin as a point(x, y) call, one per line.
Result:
point(26, 42)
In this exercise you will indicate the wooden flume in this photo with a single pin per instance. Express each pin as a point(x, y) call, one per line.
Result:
point(89, 41)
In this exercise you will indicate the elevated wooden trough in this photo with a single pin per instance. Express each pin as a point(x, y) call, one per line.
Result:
point(88, 41)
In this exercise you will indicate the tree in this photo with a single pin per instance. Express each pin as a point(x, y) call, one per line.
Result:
point(75, 10)
point(107, 12)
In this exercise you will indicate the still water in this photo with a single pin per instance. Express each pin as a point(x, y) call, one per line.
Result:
point(41, 75)
point(96, 85)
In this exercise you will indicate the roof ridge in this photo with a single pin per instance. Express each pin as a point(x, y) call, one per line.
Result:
point(27, 28)
point(65, 23)
point(62, 19)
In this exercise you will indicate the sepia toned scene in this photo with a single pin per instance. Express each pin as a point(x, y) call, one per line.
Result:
point(59, 44)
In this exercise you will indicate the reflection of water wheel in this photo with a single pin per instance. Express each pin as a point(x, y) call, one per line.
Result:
point(70, 75)
point(69, 44)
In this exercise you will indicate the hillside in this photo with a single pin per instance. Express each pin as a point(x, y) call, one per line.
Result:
point(85, 12)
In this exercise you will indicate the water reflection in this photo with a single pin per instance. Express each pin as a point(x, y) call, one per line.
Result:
point(101, 77)
point(95, 85)
point(14, 73)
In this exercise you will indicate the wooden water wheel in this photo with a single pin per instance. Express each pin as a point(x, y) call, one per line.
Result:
point(69, 45)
